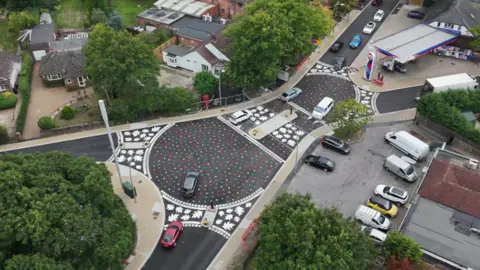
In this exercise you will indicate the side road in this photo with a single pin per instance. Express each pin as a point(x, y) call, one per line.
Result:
point(149, 226)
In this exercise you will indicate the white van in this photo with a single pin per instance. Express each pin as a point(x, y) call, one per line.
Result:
point(323, 108)
point(409, 144)
point(400, 168)
point(372, 218)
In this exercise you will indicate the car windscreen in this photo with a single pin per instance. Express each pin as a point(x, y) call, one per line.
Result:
point(319, 109)
point(235, 115)
point(284, 95)
point(410, 170)
point(380, 218)
point(168, 238)
point(382, 202)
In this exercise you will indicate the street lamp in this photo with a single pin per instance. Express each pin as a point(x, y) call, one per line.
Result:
point(220, 85)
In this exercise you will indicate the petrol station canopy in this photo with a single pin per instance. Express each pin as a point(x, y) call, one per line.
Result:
point(410, 43)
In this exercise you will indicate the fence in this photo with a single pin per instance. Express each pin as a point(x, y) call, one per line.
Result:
point(219, 102)
point(158, 51)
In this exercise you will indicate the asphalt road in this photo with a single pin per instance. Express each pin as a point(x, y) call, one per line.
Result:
point(195, 250)
point(97, 147)
point(356, 28)
point(397, 100)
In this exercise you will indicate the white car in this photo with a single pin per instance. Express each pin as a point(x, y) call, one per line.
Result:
point(378, 17)
point(391, 193)
point(240, 117)
point(369, 28)
point(323, 108)
point(374, 234)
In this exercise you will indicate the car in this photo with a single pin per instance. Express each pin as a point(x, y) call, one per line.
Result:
point(374, 234)
point(335, 144)
point(320, 162)
point(239, 117)
point(382, 205)
point(190, 184)
point(356, 41)
point(378, 17)
point(339, 63)
point(336, 46)
point(323, 108)
point(415, 14)
point(291, 94)
point(369, 28)
point(171, 234)
point(393, 194)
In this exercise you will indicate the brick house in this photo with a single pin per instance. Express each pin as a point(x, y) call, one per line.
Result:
point(64, 68)
point(228, 8)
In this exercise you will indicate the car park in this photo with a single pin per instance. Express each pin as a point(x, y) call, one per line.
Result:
point(323, 108)
point(339, 63)
point(393, 194)
point(372, 218)
point(382, 205)
point(369, 28)
point(171, 234)
point(320, 162)
point(356, 41)
point(336, 46)
point(240, 117)
point(415, 14)
point(190, 184)
point(409, 144)
point(335, 144)
point(400, 167)
point(291, 94)
point(374, 234)
point(378, 17)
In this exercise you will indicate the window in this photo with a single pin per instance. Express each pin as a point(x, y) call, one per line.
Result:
point(204, 67)
point(172, 60)
point(53, 77)
point(81, 81)
point(69, 80)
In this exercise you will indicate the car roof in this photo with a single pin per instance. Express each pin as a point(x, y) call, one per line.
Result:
point(291, 90)
point(324, 102)
point(397, 191)
point(333, 138)
point(379, 200)
point(380, 11)
point(189, 181)
point(238, 114)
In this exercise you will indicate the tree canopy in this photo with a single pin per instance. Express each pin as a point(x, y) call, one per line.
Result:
point(402, 247)
point(205, 83)
point(18, 21)
point(60, 212)
point(475, 43)
point(270, 34)
point(295, 234)
point(340, 8)
point(349, 117)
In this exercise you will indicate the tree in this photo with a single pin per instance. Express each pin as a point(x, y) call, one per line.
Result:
point(404, 264)
point(116, 58)
point(295, 234)
point(18, 21)
point(475, 43)
point(205, 83)
point(153, 39)
point(402, 247)
point(98, 16)
point(340, 8)
point(349, 117)
point(60, 212)
point(21, 4)
point(115, 21)
point(269, 35)
point(90, 5)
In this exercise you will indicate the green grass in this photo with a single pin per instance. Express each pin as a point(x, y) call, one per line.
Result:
point(92, 115)
point(69, 15)
point(129, 9)
point(9, 42)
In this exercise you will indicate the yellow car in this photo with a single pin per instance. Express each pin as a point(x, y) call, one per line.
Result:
point(383, 206)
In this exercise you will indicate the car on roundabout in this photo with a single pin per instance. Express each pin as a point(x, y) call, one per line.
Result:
point(171, 235)
point(290, 94)
point(239, 117)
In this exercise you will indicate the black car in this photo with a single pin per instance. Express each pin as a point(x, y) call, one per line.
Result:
point(320, 162)
point(336, 46)
point(190, 184)
point(415, 14)
point(339, 62)
point(336, 144)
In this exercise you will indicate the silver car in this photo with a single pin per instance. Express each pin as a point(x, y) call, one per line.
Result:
point(291, 94)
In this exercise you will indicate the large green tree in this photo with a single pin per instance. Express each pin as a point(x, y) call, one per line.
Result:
point(349, 117)
point(18, 21)
point(340, 8)
point(115, 58)
point(475, 43)
point(295, 234)
point(59, 212)
point(270, 34)
point(402, 247)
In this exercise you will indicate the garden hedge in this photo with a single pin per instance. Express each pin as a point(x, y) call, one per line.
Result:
point(445, 108)
point(46, 122)
point(8, 100)
point(24, 81)
point(67, 113)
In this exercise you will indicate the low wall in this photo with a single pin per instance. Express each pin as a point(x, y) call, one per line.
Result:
point(71, 129)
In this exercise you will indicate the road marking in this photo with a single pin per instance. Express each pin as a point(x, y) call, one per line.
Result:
point(146, 157)
point(357, 92)
point(374, 103)
point(258, 144)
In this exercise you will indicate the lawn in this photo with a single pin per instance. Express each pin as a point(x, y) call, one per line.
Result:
point(89, 116)
point(129, 9)
point(69, 14)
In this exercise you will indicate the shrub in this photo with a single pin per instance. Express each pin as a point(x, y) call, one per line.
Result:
point(205, 83)
point(46, 122)
point(4, 138)
point(24, 87)
point(67, 113)
point(8, 100)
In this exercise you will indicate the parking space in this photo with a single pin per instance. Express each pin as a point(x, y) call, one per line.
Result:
point(355, 176)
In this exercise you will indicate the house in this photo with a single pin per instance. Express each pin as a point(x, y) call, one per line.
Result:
point(227, 9)
point(39, 37)
point(444, 218)
point(64, 67)
point(188, 7)
point(158, 17)
point(67, 45)
point(9, 69)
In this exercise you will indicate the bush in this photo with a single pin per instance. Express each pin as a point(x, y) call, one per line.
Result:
point(4, 138)
point(46, 122)
point(205, 83)
point(179, 100)
point(24, 86)
point(67, 113)
point(8, 100)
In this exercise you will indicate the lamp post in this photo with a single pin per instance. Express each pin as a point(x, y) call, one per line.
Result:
point(220, 85)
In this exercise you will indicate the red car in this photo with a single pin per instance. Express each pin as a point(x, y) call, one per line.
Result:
point(171, 235)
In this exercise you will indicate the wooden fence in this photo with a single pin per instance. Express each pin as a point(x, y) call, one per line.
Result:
point(158, 51)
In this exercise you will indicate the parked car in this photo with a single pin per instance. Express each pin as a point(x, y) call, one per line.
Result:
point(356, 41)
point(190, 184)
point(369, 28)
point(336, 46)
point(393, 194)
point(382, 205)
point(374, 234)
point(323, 108)
point(335, 144)
point(240, 117)
point(171, 234)
point(320, 162)
point(291, 94)
point(415, 14)
point(372, 218)
point(378, 17)
point(400, 168)
point(340, 62)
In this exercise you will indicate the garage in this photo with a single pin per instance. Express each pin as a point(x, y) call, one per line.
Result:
point(37, 55)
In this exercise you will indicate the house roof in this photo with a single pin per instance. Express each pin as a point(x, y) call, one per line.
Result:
point(221, 42)
point(41, 33)
point(178, 50)
point(196, 28)
point(69, 64)
point(242, 1)
point(189, 7)
point(68, 44)
point(453, 186)
point(6, 65)
point(45, 18)
point(207, 55)
point(161, 15)
point(460, 12)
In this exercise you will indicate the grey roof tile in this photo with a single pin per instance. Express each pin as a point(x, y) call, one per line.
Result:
point(68, 64)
